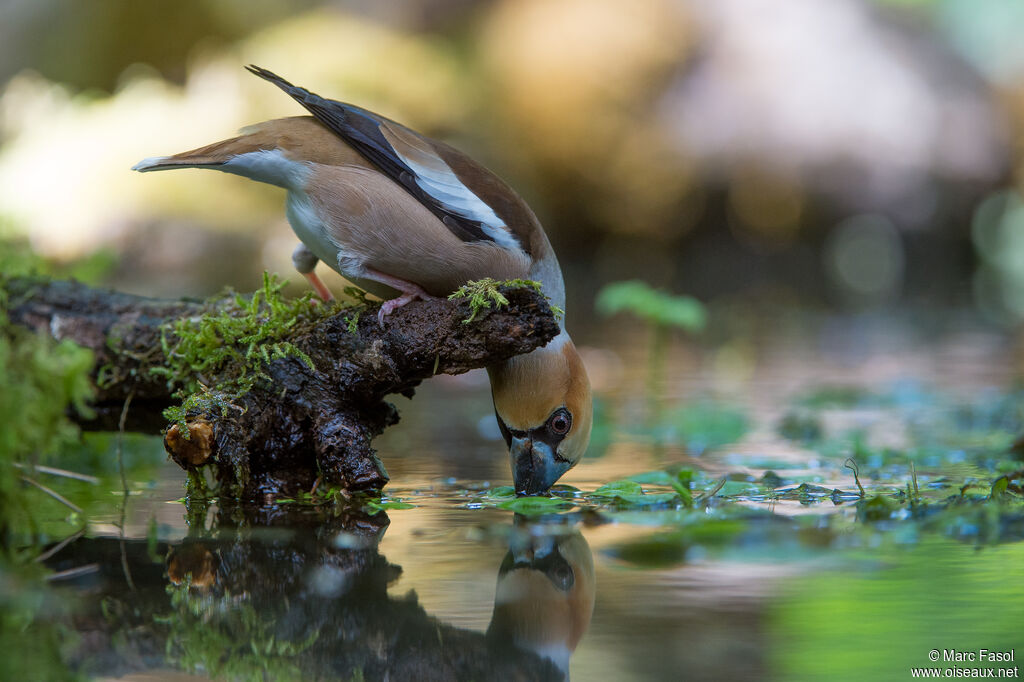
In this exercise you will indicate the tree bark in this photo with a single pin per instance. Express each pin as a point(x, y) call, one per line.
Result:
point(302, 423)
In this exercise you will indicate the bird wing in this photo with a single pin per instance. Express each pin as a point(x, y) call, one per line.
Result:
point(424, 168)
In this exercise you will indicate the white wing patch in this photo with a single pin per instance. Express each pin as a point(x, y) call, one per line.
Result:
point(437, 179)
point(270, 166)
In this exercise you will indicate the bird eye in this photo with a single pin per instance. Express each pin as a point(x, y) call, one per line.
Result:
point(561, 575)
point(564, 578)
point(560, 422)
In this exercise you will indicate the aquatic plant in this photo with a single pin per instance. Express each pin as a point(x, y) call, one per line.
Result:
point(660, 309)
point(663, 312)
point(41, 379)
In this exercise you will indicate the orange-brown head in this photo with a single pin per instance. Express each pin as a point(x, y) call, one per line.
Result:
point(544, 598)
point(543, 404)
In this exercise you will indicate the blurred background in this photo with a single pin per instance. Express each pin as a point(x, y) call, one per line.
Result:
point(851, 154)
point(839, 182)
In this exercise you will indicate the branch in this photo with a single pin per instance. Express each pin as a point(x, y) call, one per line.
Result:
point(300, 423)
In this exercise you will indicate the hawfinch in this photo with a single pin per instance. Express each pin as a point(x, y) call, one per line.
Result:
point(407, 217)
point(544, 598)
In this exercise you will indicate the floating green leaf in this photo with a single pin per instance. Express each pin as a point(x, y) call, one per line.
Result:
point(617, 488)
point(536, 505)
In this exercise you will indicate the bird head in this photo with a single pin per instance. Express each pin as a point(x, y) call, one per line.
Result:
point(543, 405)
point(544, 598)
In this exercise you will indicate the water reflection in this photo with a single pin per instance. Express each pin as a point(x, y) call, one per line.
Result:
point(544, 599)
point(298, 593)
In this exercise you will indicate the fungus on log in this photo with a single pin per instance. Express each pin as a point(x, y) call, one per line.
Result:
point(308, 407)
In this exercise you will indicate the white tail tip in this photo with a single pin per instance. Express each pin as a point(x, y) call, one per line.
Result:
point(149, 164)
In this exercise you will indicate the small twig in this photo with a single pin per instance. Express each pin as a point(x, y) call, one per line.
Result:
point(74, 572)
point(714, 491)
point(54, 494)
point(64, 473)
point(124, 486)
point(120, 437)
point(852, 466)
point(59, 546)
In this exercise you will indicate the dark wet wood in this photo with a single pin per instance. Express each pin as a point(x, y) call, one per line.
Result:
point(303, 423)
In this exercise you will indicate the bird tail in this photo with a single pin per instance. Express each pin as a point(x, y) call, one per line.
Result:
point(269, 135)
point(354, 124)
point(210, 156)
point(313, 102)
point(293, 90)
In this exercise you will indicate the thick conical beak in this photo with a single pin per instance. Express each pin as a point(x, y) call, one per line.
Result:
point(534, 467)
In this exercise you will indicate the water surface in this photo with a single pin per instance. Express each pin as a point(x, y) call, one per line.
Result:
point(780, 570)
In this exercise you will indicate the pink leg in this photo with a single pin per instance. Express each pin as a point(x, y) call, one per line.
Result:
point(318, 286)
point(410, 292)
point(305, 262)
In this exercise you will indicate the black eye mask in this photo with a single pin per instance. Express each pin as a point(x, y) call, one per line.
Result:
point(553, 565)
point(545, 433)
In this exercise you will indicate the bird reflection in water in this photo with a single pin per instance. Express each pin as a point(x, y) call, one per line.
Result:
point(544, 598)
point(266, 582)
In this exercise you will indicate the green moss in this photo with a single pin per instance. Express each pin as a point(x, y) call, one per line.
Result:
point(233, 344)
point(352, 322)
point(238, 643)
point(482, 293)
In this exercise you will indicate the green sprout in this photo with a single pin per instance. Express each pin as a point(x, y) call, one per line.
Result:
point(662, 311)
point(656, 307)
point(352, 322)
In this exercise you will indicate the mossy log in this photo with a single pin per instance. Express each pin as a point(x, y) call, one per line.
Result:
point(298, 423)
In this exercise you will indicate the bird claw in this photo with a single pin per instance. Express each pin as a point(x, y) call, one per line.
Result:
point(387, 307)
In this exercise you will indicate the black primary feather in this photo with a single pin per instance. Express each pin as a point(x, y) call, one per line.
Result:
point(361, 129)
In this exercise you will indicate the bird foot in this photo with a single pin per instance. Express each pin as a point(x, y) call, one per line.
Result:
point(410, 292)
point(387, 307)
